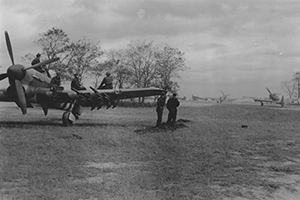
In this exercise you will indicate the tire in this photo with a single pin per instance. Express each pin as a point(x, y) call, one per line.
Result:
point(66, 120)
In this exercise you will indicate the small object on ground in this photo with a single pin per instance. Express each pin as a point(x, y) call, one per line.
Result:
point(244, 126)
point(183, 120)
point(77, 136)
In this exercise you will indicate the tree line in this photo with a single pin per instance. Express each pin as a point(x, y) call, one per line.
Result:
point(292, 87)
point(140, 64)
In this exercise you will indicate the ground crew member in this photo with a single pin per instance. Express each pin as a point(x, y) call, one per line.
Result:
point(75, 84)
point(160, 104)
point(41, 68)
point(35, 61)
point(172, 105)
point(55, 81)
point(107, 82)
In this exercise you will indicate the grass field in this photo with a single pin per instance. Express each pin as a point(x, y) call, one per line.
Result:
point(224, 152)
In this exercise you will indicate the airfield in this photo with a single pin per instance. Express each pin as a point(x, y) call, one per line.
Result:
point(216, 151)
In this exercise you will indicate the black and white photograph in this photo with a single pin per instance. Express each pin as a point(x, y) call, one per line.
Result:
point(149, 100)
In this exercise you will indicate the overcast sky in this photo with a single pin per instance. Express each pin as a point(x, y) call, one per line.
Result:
point(235, 46)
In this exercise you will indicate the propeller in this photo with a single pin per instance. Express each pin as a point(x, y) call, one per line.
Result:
point(9, 48)
point(46, 62)
point(20, 96)
point(3, 76)
point(16, 73)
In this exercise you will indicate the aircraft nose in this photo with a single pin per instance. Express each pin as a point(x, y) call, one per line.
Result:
point(16, 72)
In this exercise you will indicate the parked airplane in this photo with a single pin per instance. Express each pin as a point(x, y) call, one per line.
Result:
point(273, 99)
point(220, 99)
point(27, 86)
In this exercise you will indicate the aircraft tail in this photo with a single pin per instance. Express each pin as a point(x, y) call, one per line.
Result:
point(269, 90)
point(282, 101)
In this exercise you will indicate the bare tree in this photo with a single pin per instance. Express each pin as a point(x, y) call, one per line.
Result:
point(120, 69)
point(169, 62)
point(55, 43)
point(83, 56)
point(296, 77)
point(140, 60)
point(122, 74)
point(144, 64)
point(290, 88)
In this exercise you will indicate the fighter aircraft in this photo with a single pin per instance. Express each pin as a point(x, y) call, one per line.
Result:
point(27, 87)
point(273, 99)
point(221, 99)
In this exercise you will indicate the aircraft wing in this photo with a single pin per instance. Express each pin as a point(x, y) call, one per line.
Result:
point(69, 95)
point(213, 98)
point(263, 100)
point(91, 98)
point(138, 92)
point(109, 97)
point(121, 93)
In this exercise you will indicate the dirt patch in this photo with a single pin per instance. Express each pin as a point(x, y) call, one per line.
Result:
point(180, 123)
point(111, 165)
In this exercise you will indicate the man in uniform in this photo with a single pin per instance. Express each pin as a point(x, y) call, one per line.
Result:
point(160, 108)
point(41, 68)
point(172, 105)
point(107, 82)
point(36, 60)
point(55, 81)
point(75, 84)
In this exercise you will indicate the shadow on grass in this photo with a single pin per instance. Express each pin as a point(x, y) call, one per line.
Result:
point(22, 124)
point(57, 123)
point(181, 123)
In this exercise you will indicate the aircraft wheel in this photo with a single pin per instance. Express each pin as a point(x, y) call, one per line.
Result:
point(67, 119)
point(261, 103)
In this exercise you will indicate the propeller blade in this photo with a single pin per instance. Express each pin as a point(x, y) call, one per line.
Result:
point(20, 96)
point(46, 62)
point(3, 76)
point(9, 48)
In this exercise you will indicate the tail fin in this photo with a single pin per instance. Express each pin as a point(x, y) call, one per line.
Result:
point(282, 101)
point(269, 90)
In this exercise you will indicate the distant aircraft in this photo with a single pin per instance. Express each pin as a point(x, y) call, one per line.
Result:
point(196, 98)
point(273, 99)
point(27, 86)
point(221, 99)
point(182, 98)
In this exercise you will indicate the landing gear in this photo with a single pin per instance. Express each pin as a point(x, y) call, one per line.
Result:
point(68, 118)
point(261, 103)
point(71, 114)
